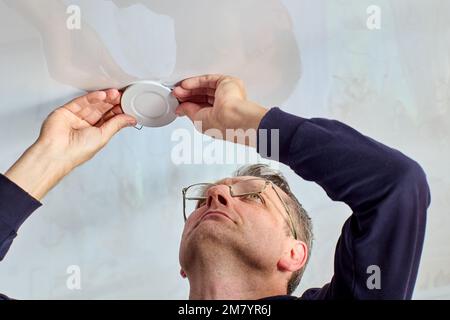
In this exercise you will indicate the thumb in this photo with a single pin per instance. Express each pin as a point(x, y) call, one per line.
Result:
point(115, 124)
point(188, 109)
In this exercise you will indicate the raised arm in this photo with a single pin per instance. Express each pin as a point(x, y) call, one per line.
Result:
point(387, 192)
point(378, 252)
point(70, 136)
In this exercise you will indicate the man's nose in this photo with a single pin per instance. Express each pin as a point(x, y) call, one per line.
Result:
point(218, 194)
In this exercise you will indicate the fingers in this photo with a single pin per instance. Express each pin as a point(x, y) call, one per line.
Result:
point(110, 98)
point(93, 106)
point(190, 110)
point(209, 86)
point(205, 81)
point(115, 124)
point(181, 92)
point(93, 97)
point(193, 100)
point(110, 114)
point(195, 94)
point(199, 99)
point(113, 96)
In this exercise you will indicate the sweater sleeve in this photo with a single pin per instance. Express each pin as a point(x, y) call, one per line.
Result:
point(378, 252)
point(15, 207)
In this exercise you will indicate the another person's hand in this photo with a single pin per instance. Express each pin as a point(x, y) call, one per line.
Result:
point(70, 136)
point(218, 102)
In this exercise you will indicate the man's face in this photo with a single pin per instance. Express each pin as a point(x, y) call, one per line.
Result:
point(253, 228)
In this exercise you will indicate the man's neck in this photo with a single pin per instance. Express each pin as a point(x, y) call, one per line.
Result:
point(228, 281)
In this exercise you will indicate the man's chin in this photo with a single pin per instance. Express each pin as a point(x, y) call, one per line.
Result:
point(211, 239)
point(211, 230)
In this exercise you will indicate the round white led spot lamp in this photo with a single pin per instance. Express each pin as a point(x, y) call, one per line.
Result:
point(150, 103)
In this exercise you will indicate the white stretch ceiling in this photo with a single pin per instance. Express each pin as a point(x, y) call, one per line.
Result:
point(119, 216)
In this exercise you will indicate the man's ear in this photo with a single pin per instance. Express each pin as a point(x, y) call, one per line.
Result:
point(295, 256)
point(182, 273)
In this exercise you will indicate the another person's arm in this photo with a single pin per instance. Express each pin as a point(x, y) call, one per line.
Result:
point(387, 191)
point(70, 136)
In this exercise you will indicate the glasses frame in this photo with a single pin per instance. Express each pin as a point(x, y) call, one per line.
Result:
point(230, 187)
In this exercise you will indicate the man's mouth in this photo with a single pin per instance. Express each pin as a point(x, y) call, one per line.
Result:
point(215, 213)
point(211, 214)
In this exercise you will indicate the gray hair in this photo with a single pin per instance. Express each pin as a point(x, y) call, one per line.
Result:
point(301, 219)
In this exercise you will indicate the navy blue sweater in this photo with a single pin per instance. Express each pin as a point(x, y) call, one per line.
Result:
point(387, 192)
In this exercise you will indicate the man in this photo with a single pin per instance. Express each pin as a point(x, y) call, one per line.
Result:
point(249, 238)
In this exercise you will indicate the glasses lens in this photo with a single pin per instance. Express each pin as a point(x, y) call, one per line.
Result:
point(197, 191)
point(248, 186)
point(195, 197)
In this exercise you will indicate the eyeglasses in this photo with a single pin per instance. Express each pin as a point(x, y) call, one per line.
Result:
point(249, 189)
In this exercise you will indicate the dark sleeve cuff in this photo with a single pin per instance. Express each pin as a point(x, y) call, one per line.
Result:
point(16, 205)
point(275, 133)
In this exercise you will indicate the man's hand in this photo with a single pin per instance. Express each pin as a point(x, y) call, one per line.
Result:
point(70, 136)
point(218, 102)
